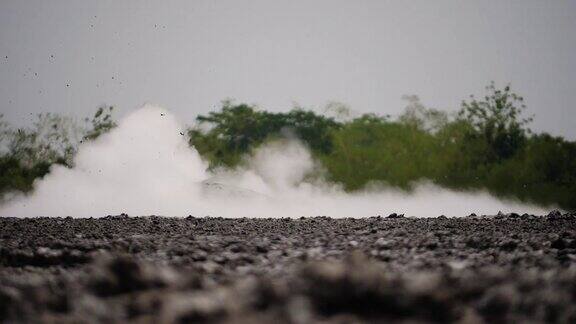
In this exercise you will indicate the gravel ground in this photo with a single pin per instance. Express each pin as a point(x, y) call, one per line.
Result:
point(504, 268)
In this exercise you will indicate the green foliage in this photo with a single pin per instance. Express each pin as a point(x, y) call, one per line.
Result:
point(497, 119)
point(51, 139)
point(371, 149)
point(15, 177)
point(545, 172)
point(28, 153)
point(101, 123)
point(422, 118)
point(237, 129)
point(486, 146)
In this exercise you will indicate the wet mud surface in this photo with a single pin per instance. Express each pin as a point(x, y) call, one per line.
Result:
point(506, 268)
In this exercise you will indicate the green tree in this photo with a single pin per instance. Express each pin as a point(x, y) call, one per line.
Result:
point(236, 129)
point(29, 152)
point(419, 116)
point(497, 118)
point(52, 138)
point(372, 148)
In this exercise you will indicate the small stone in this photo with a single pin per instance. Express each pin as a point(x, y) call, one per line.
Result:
point(554, 214)
point(383, 244)
point(261, 247)
point(558, 244)
point(193, 308)
point(509, 246)
point(200, 255)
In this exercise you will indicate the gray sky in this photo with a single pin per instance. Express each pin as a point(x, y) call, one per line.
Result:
point(189, 55)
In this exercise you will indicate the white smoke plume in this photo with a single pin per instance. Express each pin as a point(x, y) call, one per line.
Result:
point(145, 167)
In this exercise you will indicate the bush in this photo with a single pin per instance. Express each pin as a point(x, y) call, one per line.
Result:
point(29, 152)
point(237, 129)
point(487, 145)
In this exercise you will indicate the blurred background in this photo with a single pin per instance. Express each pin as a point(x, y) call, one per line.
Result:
point(378, 90)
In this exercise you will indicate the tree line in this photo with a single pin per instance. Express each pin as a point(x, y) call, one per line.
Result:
point(486, 145)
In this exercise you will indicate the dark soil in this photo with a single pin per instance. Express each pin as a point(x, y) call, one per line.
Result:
point(506, 268)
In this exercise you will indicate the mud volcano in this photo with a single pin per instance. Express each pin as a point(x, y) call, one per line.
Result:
point(475, 269)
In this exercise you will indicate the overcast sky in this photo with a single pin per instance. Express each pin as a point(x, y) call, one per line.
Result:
point(72, 56)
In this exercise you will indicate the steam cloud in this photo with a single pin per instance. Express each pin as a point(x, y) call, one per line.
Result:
point(145, 167)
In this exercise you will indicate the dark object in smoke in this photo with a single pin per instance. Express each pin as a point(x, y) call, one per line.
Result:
point(305, 270)
point(394, 215)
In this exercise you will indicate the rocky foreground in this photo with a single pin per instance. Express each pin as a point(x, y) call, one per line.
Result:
point(507, 268)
